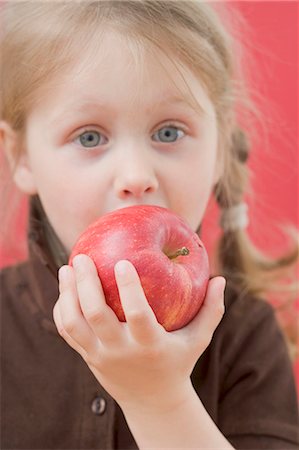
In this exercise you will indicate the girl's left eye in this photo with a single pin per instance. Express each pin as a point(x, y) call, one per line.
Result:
point(90, 139)
point(168, 134)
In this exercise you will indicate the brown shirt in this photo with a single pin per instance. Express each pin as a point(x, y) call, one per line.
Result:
point(51, 400)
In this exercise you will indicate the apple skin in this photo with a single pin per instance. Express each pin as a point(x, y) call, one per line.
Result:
point(145, 235)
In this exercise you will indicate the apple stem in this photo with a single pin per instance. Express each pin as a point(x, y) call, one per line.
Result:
point(180, 252)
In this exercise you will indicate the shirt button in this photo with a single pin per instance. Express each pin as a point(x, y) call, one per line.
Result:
point(98, 406)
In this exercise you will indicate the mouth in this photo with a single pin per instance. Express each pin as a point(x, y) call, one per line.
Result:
point(136, 203)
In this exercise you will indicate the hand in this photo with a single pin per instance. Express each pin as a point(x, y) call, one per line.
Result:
point(137, 361)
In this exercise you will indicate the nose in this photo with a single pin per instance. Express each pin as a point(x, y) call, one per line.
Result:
point(135, 178)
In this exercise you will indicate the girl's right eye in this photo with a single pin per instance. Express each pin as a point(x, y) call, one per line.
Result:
point(91, 138)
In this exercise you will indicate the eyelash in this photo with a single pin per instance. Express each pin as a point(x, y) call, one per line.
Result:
point(88, 130)
point(174, 125)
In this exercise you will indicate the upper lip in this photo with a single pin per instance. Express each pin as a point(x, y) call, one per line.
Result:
point(126, 205)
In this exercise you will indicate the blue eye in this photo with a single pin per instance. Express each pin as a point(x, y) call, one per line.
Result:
point(168, 134)
point(91, 139)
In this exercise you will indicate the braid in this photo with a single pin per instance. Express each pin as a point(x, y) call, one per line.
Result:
point(246, 269)
point(230, 193)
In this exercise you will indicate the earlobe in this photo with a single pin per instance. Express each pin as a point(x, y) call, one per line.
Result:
point(23, 177)
point(17, 159)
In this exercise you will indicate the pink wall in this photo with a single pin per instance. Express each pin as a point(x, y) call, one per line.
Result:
point(276, 169)
point(274, 45)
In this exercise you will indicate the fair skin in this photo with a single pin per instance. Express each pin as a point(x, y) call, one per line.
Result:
point(85, 160)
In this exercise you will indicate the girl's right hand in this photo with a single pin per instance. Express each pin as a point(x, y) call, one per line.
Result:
point(138, 362)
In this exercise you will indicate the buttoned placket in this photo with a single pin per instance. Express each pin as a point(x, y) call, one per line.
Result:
point(98, 414)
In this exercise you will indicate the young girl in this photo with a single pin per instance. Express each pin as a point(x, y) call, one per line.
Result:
point(104, 105)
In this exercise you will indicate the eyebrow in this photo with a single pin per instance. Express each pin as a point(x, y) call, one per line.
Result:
point(87, 103)
point(186, 100)
point(79, 106)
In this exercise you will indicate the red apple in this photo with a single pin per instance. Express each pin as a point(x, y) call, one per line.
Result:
point(169, 257)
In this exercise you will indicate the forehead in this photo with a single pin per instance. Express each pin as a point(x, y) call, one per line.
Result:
point(126, 71)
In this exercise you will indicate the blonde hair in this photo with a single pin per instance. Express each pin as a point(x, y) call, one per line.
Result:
point(40, 41)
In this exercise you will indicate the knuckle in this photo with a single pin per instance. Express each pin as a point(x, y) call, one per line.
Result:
point(70, 326)
point(61, 331)
point(94, 359)
point(127, 282)
point(95, 317)
point(137, 317)
point(81, 276)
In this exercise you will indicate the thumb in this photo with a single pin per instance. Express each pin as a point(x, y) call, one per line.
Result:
point(202, 327)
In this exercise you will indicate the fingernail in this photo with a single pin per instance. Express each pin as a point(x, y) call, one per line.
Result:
point(121, 268)
point(78, 262)
point(63, 275)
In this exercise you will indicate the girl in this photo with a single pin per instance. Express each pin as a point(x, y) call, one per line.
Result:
point(104, 105)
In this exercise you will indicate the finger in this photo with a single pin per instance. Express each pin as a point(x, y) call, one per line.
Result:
point(58, 322)
point(72, 325)
point(139, 315)
point(202, 327)
point(100, 317)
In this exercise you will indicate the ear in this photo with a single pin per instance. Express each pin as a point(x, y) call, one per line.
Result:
point(17, 159)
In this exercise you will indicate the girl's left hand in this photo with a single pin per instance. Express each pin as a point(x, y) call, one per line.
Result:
point(137, 362)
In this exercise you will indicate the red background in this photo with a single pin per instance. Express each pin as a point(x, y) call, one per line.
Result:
point(271, 46)
point(272, 41)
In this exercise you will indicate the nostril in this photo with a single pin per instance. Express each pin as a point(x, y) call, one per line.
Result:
point(138, 192)
point(137, 187)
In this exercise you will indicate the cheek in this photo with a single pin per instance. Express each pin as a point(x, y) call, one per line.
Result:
point(195, 208)
point(191, 193)
point(70, 207)
point(69, 192)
